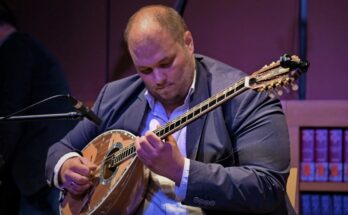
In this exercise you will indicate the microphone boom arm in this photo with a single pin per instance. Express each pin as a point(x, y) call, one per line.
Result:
point(81, 112)
point(69, 115)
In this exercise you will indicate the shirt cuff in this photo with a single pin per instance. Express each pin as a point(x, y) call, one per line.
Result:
point(59, 165)
point(180, 191)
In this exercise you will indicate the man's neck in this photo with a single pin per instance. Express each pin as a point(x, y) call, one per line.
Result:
point(5, 31)
point(170, 108)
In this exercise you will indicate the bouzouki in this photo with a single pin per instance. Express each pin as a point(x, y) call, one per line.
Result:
point(121, 179)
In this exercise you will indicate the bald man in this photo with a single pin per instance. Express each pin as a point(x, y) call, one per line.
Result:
point(233, 160)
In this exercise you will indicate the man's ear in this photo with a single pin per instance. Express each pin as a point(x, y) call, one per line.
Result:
point(188, 41)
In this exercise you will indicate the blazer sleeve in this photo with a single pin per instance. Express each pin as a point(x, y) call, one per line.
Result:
point(113, 101)
point(256, 183)
point(75, 140)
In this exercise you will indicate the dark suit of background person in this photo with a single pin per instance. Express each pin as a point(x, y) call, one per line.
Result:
point(244, 138)
point(28, 74)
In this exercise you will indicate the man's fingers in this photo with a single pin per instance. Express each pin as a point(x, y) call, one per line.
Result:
point(77, 189)
point(79, 179)
point(143, 145)
point(84, 167)
point(76, 176)
point(170, 139)
point(80, 188)
point(88, 163)
point(76, 183)
point(153, 139)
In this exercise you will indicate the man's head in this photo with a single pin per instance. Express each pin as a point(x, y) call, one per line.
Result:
point(162, 51)
point(166, 17)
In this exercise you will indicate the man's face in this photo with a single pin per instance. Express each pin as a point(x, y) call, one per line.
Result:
point(165, 65)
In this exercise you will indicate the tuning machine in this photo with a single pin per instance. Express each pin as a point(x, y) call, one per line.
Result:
point(294, 86)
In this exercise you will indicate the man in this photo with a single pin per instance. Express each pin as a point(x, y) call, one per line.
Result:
point(28, 74)
point(233, 160)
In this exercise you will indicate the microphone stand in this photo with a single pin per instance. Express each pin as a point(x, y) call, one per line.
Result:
point(81, 112)
point(69, 116)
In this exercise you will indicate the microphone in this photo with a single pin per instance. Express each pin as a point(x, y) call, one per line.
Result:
point(85, 111)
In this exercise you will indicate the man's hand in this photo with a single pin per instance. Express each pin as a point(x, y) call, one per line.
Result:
point(164, 159)
point(76, 174)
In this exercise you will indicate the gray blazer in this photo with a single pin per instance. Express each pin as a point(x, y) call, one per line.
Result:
point(240, 153)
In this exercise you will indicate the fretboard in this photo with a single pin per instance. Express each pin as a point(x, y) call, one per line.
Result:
point(186, 118)
point(201, 109)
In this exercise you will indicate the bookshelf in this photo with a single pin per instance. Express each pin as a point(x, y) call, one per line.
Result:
point(313, 113)
point(324, 186)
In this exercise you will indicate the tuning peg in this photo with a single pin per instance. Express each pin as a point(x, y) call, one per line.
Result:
point(285, 82)
point(278, 84)
point(261, 89)
point(271, 95)
point(286, 89)
point(294, 86)
point(280, 92)
point(270, 86)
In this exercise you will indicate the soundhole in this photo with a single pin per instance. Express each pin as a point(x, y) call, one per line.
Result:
point(109, 168)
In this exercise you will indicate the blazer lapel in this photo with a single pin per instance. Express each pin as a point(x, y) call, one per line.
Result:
point(139, 109)
point(195, 129)
point(135, 115)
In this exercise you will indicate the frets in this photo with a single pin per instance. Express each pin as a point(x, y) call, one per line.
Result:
point(186, 118)
point(200, 109)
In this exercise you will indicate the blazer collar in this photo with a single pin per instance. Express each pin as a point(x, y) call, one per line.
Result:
point(195, 129)
point(136, 114)
point(137, 111)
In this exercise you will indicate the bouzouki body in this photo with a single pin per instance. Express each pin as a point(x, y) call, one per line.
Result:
point(119, 190)
point(121, 180)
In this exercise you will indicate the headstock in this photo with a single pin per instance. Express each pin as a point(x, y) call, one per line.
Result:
point(278, 74)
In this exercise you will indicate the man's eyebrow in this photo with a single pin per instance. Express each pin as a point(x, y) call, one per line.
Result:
point(166, 59)
point(163, 60)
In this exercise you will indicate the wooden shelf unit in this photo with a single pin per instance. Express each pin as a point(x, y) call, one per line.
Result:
point(313, 113)
point(324, 186)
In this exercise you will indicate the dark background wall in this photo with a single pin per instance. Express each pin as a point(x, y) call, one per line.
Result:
point(86, 37)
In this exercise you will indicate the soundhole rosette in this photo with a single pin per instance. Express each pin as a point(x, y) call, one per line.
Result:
point(108, 170)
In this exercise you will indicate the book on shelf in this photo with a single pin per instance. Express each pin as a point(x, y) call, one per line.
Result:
point(345, 155)
point(307, 155)
point(337, 204)
point(323, 203)
point(335, 155)
point(321, 155)
point(315, 203)
point(345, 204)
point(306, 206)
point(326, 204)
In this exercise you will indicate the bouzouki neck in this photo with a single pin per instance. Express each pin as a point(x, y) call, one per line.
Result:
point(278, 74)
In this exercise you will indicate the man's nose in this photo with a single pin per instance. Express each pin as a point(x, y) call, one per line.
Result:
point(160, 76)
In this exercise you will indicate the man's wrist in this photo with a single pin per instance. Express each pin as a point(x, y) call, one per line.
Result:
point(181, 190)
point(179, 172)
point(59, 166)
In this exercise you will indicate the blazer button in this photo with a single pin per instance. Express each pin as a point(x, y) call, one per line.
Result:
point(196, 200)
point(204, 202)
point(212, 203)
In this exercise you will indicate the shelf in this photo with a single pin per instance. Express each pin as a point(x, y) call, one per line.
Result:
point(324, 186)
point(313, 114)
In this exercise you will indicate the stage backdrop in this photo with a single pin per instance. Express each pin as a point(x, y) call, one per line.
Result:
point(86, 37)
